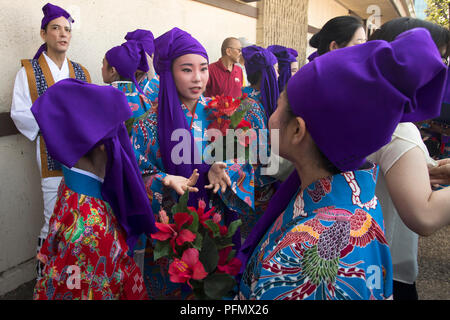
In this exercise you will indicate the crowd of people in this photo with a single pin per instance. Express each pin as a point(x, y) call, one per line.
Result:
point(340, 218)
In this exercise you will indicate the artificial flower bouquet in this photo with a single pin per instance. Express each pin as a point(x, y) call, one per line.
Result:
point(227, 116)
point(199, 248)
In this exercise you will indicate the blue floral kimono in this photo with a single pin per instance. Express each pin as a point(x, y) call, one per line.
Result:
point(238, 198)
point(151, 88)
point(328, 244)
point(139, 105)
point(265, 186)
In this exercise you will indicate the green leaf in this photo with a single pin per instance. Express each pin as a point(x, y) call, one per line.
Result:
point(197, 244)
point(209, 255)
point(194, 225)
point(181, 206)
point(129, 125)
point(218, 285)
point(236, 118)
point(233, 227)
point(213, 227)
point(162, 249)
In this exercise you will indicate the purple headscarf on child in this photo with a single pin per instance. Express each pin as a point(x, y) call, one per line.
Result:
point(352, 111)
point(169, 46)
point(51, 12)
point(74, 117)
point(127, 59)
point(260, 59)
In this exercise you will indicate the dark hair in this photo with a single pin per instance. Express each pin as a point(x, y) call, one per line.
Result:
point(323, 160)
point(121, 78)
point(254, 78)
point(391, 29)
point(340, 29)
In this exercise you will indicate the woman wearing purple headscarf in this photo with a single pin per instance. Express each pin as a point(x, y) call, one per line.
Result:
point(322, 236)
point(176, 145)
point(287, 64)
point(261, 66)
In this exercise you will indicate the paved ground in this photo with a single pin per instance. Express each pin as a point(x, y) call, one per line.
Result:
point(434, 270)
point(433, 282)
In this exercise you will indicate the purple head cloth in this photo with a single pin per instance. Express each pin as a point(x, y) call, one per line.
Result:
point(312, 56)
point(127, 59)
point(169, 46)
point(357, 107)
point(285, 58)
point(361, 93)
point(74, 117)
point(447, 90)
point(260, 59)
point(146, 39)
point(51, 12)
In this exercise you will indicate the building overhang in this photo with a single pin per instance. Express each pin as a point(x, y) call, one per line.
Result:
point(386, 9)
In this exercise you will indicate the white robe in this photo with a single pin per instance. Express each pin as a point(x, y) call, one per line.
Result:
point(27, 125)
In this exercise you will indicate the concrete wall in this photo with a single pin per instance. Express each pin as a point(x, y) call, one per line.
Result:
point(99, 25)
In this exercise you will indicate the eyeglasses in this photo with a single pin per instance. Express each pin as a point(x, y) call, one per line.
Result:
point(238, 49)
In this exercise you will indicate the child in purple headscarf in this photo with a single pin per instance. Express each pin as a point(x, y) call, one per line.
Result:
point(122, 65)
point(182, 64)
point(102, 207)
point(322, 237)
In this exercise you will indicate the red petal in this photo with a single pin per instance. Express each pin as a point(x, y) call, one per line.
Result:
point(185, 236)
point(199, 271)
point(181, 218)
point(190, 256)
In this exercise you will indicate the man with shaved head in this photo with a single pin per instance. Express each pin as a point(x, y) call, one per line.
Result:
point(225, 77)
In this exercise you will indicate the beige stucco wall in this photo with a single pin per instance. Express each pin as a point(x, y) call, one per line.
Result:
point(99, 25)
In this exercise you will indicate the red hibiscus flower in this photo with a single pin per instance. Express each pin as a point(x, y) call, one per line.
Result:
point(174, 232)
point(189, 267)
point(220, 124)
point(224, 106)
point(231, 267)
point(244, 124)
point(202, 215)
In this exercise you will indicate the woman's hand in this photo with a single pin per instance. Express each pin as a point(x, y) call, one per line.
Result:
point(218, 177)
point(441, 173)
point(181, 184)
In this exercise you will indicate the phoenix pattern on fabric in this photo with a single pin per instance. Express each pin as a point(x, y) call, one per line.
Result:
point(324, 246)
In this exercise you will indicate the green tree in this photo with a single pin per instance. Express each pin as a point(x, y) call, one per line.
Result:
point(437, 11)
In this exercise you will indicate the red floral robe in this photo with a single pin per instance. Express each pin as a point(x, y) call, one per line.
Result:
point(85, 253)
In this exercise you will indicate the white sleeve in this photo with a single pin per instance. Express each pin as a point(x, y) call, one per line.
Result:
point(406, 137)
point(21, 107)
